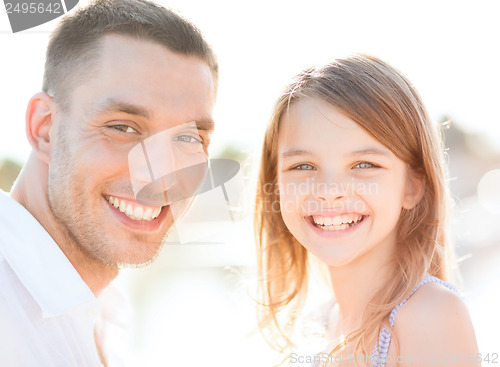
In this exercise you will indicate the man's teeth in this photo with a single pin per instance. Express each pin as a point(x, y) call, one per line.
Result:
point(134, 210)
point(338, 222)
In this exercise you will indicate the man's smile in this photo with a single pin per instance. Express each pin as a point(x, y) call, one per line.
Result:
point(133, 210)
point(135, 214)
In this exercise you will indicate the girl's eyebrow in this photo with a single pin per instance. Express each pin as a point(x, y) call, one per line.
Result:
point(295, 152)
point(364, 151)
point(372, 150)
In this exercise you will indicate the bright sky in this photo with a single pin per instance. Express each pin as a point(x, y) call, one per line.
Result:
point(447, 48)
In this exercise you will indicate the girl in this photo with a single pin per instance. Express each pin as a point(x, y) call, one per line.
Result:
point(352, 172)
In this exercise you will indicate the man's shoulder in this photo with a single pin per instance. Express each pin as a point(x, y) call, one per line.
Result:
point(14, 345)
point(13, 295)
point(15, 320)
point(16, 223)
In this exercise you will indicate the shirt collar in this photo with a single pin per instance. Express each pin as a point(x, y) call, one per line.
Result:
point(38, 261)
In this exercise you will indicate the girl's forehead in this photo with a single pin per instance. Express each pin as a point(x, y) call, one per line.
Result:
point(315, 123)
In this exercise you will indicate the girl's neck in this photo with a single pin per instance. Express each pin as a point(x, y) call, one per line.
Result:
point(357, 283)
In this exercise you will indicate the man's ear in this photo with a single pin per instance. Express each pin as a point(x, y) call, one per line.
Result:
point(414, 190)
point(39, 123)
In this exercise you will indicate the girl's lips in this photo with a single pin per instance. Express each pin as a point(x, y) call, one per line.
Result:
point(335, 219)
point(140, 225)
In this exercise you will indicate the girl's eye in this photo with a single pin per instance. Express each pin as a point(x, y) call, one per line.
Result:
point(124, 128)
point(187, 139)
point(365, 165)
point(303, 167)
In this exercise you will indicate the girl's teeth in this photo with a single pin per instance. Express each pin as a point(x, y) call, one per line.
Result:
point(336, 223)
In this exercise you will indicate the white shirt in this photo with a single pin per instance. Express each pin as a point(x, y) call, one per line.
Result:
point(48, 314)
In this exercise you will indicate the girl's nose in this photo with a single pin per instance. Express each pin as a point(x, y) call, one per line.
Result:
point(331, 187)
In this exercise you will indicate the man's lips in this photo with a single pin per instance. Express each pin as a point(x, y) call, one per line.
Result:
point(146, 222)
point(133, 209)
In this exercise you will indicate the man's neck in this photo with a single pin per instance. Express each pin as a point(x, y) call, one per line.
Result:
point(30, 190)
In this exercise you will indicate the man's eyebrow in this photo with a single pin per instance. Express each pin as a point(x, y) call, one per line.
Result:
point(113, 105)
point(295, 152)
point(205, 124)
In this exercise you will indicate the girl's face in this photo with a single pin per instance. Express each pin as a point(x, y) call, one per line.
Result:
point(341, 191)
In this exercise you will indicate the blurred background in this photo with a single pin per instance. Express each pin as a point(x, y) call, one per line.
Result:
point(193, 306)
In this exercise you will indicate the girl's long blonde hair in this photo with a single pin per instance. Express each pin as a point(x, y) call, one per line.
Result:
point(383, 102)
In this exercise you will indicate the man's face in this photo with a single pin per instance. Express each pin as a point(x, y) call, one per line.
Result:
point(138, 89)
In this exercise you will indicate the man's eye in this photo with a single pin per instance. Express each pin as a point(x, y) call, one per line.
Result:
point(365, 165)
point(303, 167)
point(187, 139)
point(124, 128)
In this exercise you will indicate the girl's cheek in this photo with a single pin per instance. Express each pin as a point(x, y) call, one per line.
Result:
point(364, 187)
point(380, 191)
point(289, 207)
point(296, 187)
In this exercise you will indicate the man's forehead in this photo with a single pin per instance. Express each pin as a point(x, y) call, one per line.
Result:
point(121, 41)
point(113, 42)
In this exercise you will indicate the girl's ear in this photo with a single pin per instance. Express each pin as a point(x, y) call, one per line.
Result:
point(39, 122)
point(414, 190)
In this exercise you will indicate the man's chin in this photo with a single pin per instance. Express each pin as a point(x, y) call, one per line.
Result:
point(132, 262)
point(127, 248)
point(127, 265)
point(135, 254)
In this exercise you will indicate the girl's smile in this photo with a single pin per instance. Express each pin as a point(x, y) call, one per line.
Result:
point(331, 224)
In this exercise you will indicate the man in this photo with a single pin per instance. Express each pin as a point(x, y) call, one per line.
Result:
point(118, 73)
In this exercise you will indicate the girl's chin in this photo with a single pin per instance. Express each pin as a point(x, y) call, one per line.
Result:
point(334, 260)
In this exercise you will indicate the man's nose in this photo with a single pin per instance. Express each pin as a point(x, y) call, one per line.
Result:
point(169, 179)
point(153, 168)
point(162, 164)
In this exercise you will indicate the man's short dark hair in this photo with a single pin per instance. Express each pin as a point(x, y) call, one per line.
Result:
point(72, 50)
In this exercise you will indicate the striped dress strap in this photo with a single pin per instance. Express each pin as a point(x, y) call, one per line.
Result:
point(379, 354)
